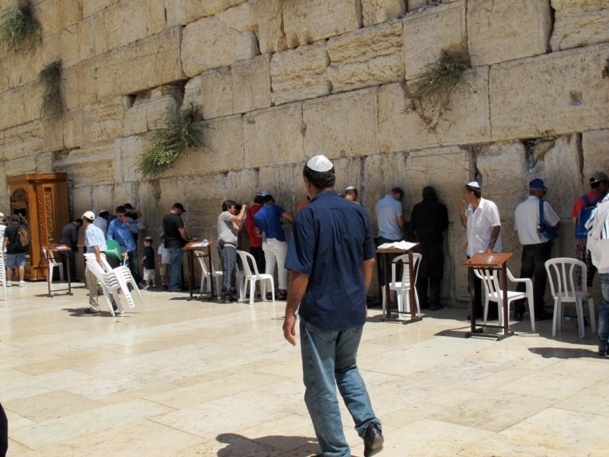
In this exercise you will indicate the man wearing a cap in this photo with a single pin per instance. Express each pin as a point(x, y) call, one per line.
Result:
point(96, 244)
point(15, 255)
point(69, 237)
point(480, 217)
point(599, 184)
point(175, 240)
point(101, 221)
point(123, 230)
point(351, 194)
point(536, 247)
point(331, 259)
point(255, 239)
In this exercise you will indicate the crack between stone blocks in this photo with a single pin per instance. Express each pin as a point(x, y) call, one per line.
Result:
point(490, 107)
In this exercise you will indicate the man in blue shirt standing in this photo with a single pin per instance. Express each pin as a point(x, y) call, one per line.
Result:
point(121, 230)
point(274, 244)
point(331, 258)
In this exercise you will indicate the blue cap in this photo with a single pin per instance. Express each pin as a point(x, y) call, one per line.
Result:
point(537, 184)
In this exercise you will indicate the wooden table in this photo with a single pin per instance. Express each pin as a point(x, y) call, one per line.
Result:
point(51, 249)
point(190, 249)
point(381, 256)
point(492, 261)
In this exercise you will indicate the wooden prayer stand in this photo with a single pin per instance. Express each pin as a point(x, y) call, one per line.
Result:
point(190, 249)
point(51, 249)
point(381, 256)
point(492, 261)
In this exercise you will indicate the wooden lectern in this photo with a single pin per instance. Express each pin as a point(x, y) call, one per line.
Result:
point(42, 200)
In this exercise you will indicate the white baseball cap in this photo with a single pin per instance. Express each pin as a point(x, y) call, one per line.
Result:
point(89, 215)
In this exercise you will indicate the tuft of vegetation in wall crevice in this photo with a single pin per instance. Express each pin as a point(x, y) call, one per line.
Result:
point(430, 93)
point(52, 101)
point(18, 26)
point(169, 142)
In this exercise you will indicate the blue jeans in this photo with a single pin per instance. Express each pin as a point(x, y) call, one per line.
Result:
point(329, 360)
point(603, 316)
point(176, 255)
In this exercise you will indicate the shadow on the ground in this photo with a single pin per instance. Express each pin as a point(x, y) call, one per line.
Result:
point(266, 446)
point(565, 353)
point(80, 312)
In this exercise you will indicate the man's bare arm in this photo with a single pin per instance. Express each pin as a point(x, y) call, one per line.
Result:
point(368, 267)
point(297, 289)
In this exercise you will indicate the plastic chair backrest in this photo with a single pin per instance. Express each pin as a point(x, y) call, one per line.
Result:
point(202, 261)
point(114, 249)
point(416, 258)
point(246, 259)
point(490, 278)
point(561, 273)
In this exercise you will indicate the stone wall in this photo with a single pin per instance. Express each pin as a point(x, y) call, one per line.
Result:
point(277, 86)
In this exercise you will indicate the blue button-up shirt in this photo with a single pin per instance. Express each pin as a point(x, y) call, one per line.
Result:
point(118, 231)
point(331, 237)
point(94, 237)
point(268, 220)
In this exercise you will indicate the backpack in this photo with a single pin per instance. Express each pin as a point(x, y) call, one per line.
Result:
point(23, 237)
point(581, 232)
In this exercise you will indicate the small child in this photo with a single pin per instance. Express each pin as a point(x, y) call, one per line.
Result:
point(164, 263)
point(148, 262)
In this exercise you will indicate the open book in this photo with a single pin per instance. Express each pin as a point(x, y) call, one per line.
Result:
point(403, 245)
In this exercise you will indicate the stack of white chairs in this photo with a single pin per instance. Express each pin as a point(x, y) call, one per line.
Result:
point(251, 275)
point(205, 277)
point(52, 263)
point(402, 287)
point(3, 274)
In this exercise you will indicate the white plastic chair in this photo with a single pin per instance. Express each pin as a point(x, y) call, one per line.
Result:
point(216, 275)
point(251, 275)
point(124, 274)
point(3, 273)
point(402, 287)
point(51, 264)
point(493, 292)
point(561, 273)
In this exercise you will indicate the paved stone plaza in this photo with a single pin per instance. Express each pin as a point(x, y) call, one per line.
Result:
point(192, 378)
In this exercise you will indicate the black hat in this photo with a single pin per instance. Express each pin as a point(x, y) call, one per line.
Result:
point(178, 206)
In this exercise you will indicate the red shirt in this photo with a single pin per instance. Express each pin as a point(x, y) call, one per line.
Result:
point(255, 240)
point(580, 203)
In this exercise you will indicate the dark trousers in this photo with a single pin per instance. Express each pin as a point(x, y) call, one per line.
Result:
point(493, 309)
point(133, 266)
point(228, 255)
point(70, 255)
point(534, 257)
point(3, 432)
point(428, 290)
point(258, 254)
point(388, 259)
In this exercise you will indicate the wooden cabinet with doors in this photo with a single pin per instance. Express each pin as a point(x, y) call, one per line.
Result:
point(42, 200)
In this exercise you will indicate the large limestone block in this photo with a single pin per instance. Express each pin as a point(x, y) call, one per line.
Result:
point(104, 121)
point(88, 167)
point(379, 11)
point(241, 186)
point(69, 12)
point(579, 23)
point(90, 7)
point(24, 140)
point(152, 110)
point(221, 147)
point(20, 105)
point(303, 21)
point(92, 39)
point(67, 47)
point(217, 93)
point(501, 31)
point(44, 162)
point(383, 172)
point(251, 81)
point(428, 33)
point(23, 67)
point(47, 14)
point(203, 206)
point(446, 169)
point(103, 198)
point(148, 63)
point(192, 92)
point(341, 125)
point(467, 121)
point(300, 74)
point(274, 136)
point(348, 173)
point(20, 166)
point(595, 145)
point(504, 181)
point(73, 129)
point(196, 9)
point(218, 41)
point(279, 181)
point(128, 151)
point(124, 23)
point(366, 57)
point(558, 93)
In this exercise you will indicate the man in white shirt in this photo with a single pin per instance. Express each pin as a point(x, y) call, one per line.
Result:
point(536, 247)
point(480, 217)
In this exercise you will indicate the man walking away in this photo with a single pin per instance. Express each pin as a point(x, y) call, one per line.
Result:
point(331, 258)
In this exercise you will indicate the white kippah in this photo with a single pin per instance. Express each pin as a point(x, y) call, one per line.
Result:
point(474, 184)
point(320, 163)
point(350, 188)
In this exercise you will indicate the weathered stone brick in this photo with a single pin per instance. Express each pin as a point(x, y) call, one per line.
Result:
point(221, 148)
point(559, 93)
point(89, 167)
point(501, 31)
point(127, 153)
point(595, 147)
point(23, 140)
point(341, 125)
point(217, 93)
point(279, 180)
point(73, 129)
point(251, 81)
point(428, 33)
point(218, 41)
point(366, 57)
point(104, 121)
point(378, 11)
point(300, 74)
point(196, 9)
point(579, 23)
point(303, 22)
point(92, 39)
point(192, 92)
point(151, 111)
point(274, 136)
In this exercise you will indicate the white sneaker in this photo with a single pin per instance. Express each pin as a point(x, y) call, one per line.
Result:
point(8, 284)
point(21, 283)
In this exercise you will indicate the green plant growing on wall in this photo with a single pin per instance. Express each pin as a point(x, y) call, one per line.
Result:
point(606, 70)
point(431, 91)
point(52, 102)
point(18, 24)
point(169, 142)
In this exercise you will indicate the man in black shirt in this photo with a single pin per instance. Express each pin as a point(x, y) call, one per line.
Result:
point(175, 239)
point(15, 253)
point(69, 237)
